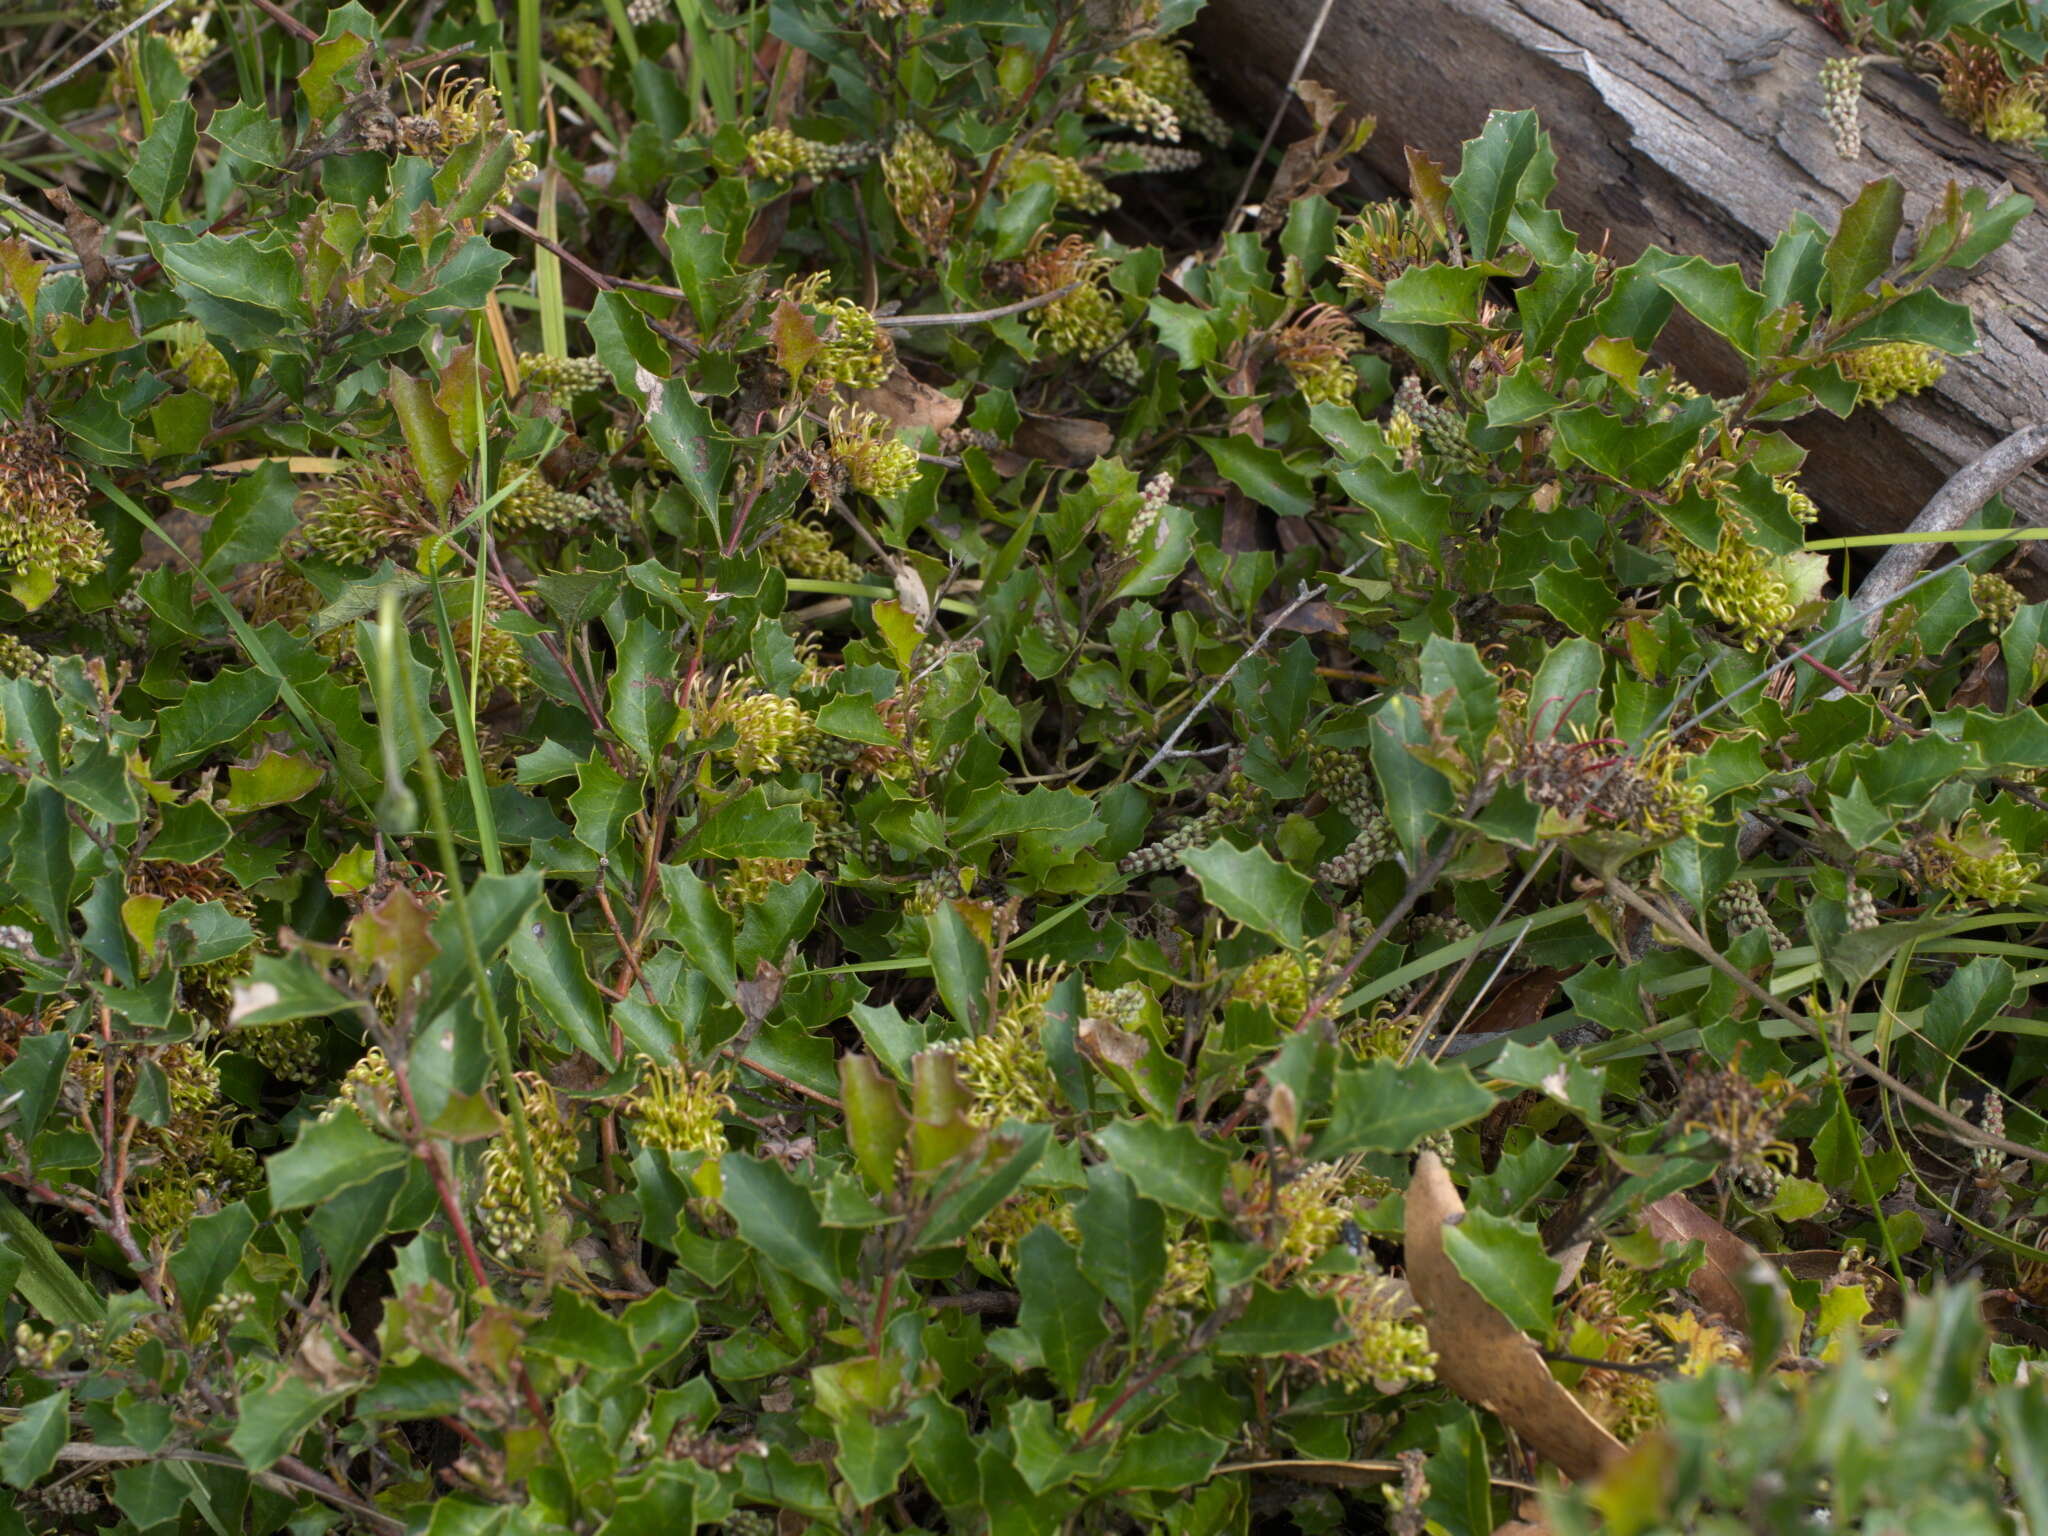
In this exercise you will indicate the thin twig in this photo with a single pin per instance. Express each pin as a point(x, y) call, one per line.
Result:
point(1251, 172)
point(56, 80)
point(1687, 935)
point(299, 1476)
point(1308, 595)
point(974, 317)
point(1960, 498)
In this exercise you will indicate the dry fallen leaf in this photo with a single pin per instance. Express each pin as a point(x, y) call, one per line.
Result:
point(1482, 1356)
point(908, 403)
point(1675, 1219)
point(1068, 441)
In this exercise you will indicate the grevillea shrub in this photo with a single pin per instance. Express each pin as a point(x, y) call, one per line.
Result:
point(751, 777)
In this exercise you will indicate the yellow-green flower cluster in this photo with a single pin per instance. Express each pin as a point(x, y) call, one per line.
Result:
point(1975, 863)
point(1740, 585)
point(45, 537)
point(2016, 116)
point(201, 361)
point(370, 510)
point(993, 1244)
point(1386, 1347)
point(1278, 982)
point(1076, 186)
point(677, 1108)
point(1385, 240)
point(1892, 368)
point(750, 880)
point(1161, 70)
point(1122, 100)
point(1312, 1209)
point(192, 1157)
point(770, 728)
point(505, 1209)
point(919, 174)
point(1797, 501)
point(854, 350)
point(876, 461)
point(802, 548)
point(189, 45)
point(1005, 1067)
point(1084, 323)
point(460, 110)
point(1316, 352)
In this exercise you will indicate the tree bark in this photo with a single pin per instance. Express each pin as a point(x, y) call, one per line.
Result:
point(1695, 125)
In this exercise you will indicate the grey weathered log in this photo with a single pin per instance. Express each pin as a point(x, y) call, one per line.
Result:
point(1695, 125)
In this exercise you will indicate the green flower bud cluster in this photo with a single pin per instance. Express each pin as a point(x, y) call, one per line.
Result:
point(1122, 100)
point(1239, 799)
point(1075, 185)
point(1442, 429)
point(1385, 240)
point(856, 351)
point(1862, 908)
point(676, 1108)
point(919, 173)
point(44, 532)
point(370, 510)
point(1161, 70)
point(538, 508)
point(1346, 782)
point(643, 13)
point(1138, 158)
point(1740, 585)
point(777, 154)
point(1121, 1006)
point(20, 659)
point(1186, 1281)
point(803, 548)
point(1974, 863)
point(290, 1051)
point(1313, 1207)
point(1386, 1347)
point(1005, 1067)
point(1997, 599)
point(583, 44)
point(1741, 909)
point(192, 1156)
point(876, 461)
point(749, 1522)
point(563, 375)
point(1890, 369)
point(1279, 983)
point(1086, 322)
point(201, 362)
point(65, 1501)
point(1841, 83)
point(370, 1086)
point(1433, 930)
point(505, 1209)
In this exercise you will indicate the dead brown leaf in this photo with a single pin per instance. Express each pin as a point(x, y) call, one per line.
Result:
point(1482, 1356)
point(1067, 441)
point(908, 403)
point(1675, 1219)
